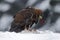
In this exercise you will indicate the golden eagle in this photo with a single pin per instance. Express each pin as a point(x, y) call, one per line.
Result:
point(25, 19)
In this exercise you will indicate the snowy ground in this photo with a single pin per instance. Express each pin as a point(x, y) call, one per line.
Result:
point(43, 35)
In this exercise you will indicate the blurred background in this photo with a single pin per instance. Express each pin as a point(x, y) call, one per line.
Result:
point(50, 8)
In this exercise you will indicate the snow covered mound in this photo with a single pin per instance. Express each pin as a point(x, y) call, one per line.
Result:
point(35, 32)
point(43, 35)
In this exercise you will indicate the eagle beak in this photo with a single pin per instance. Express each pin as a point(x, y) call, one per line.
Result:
point(40, 17)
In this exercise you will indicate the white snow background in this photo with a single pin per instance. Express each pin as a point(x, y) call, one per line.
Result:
point(43, 35)
point(38, 35)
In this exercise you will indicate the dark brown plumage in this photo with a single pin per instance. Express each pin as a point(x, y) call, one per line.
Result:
point(25, 19)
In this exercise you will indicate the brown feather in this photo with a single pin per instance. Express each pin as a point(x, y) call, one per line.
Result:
point(24, 18)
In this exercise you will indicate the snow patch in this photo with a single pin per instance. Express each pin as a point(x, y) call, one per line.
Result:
point(30, 2)
point(57, 8)
point(56, 26)
point(10, 1)
point(5, 22)
point(44, 5)
point(4, 7)
point(19, 36)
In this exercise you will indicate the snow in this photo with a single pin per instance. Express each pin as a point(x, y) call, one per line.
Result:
point(5, 22)
point(31, 36)
point(57, 8)
point(30, 2)
point(4, 7)
point(56, 26)
point(10, 1)
point(44, 5)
